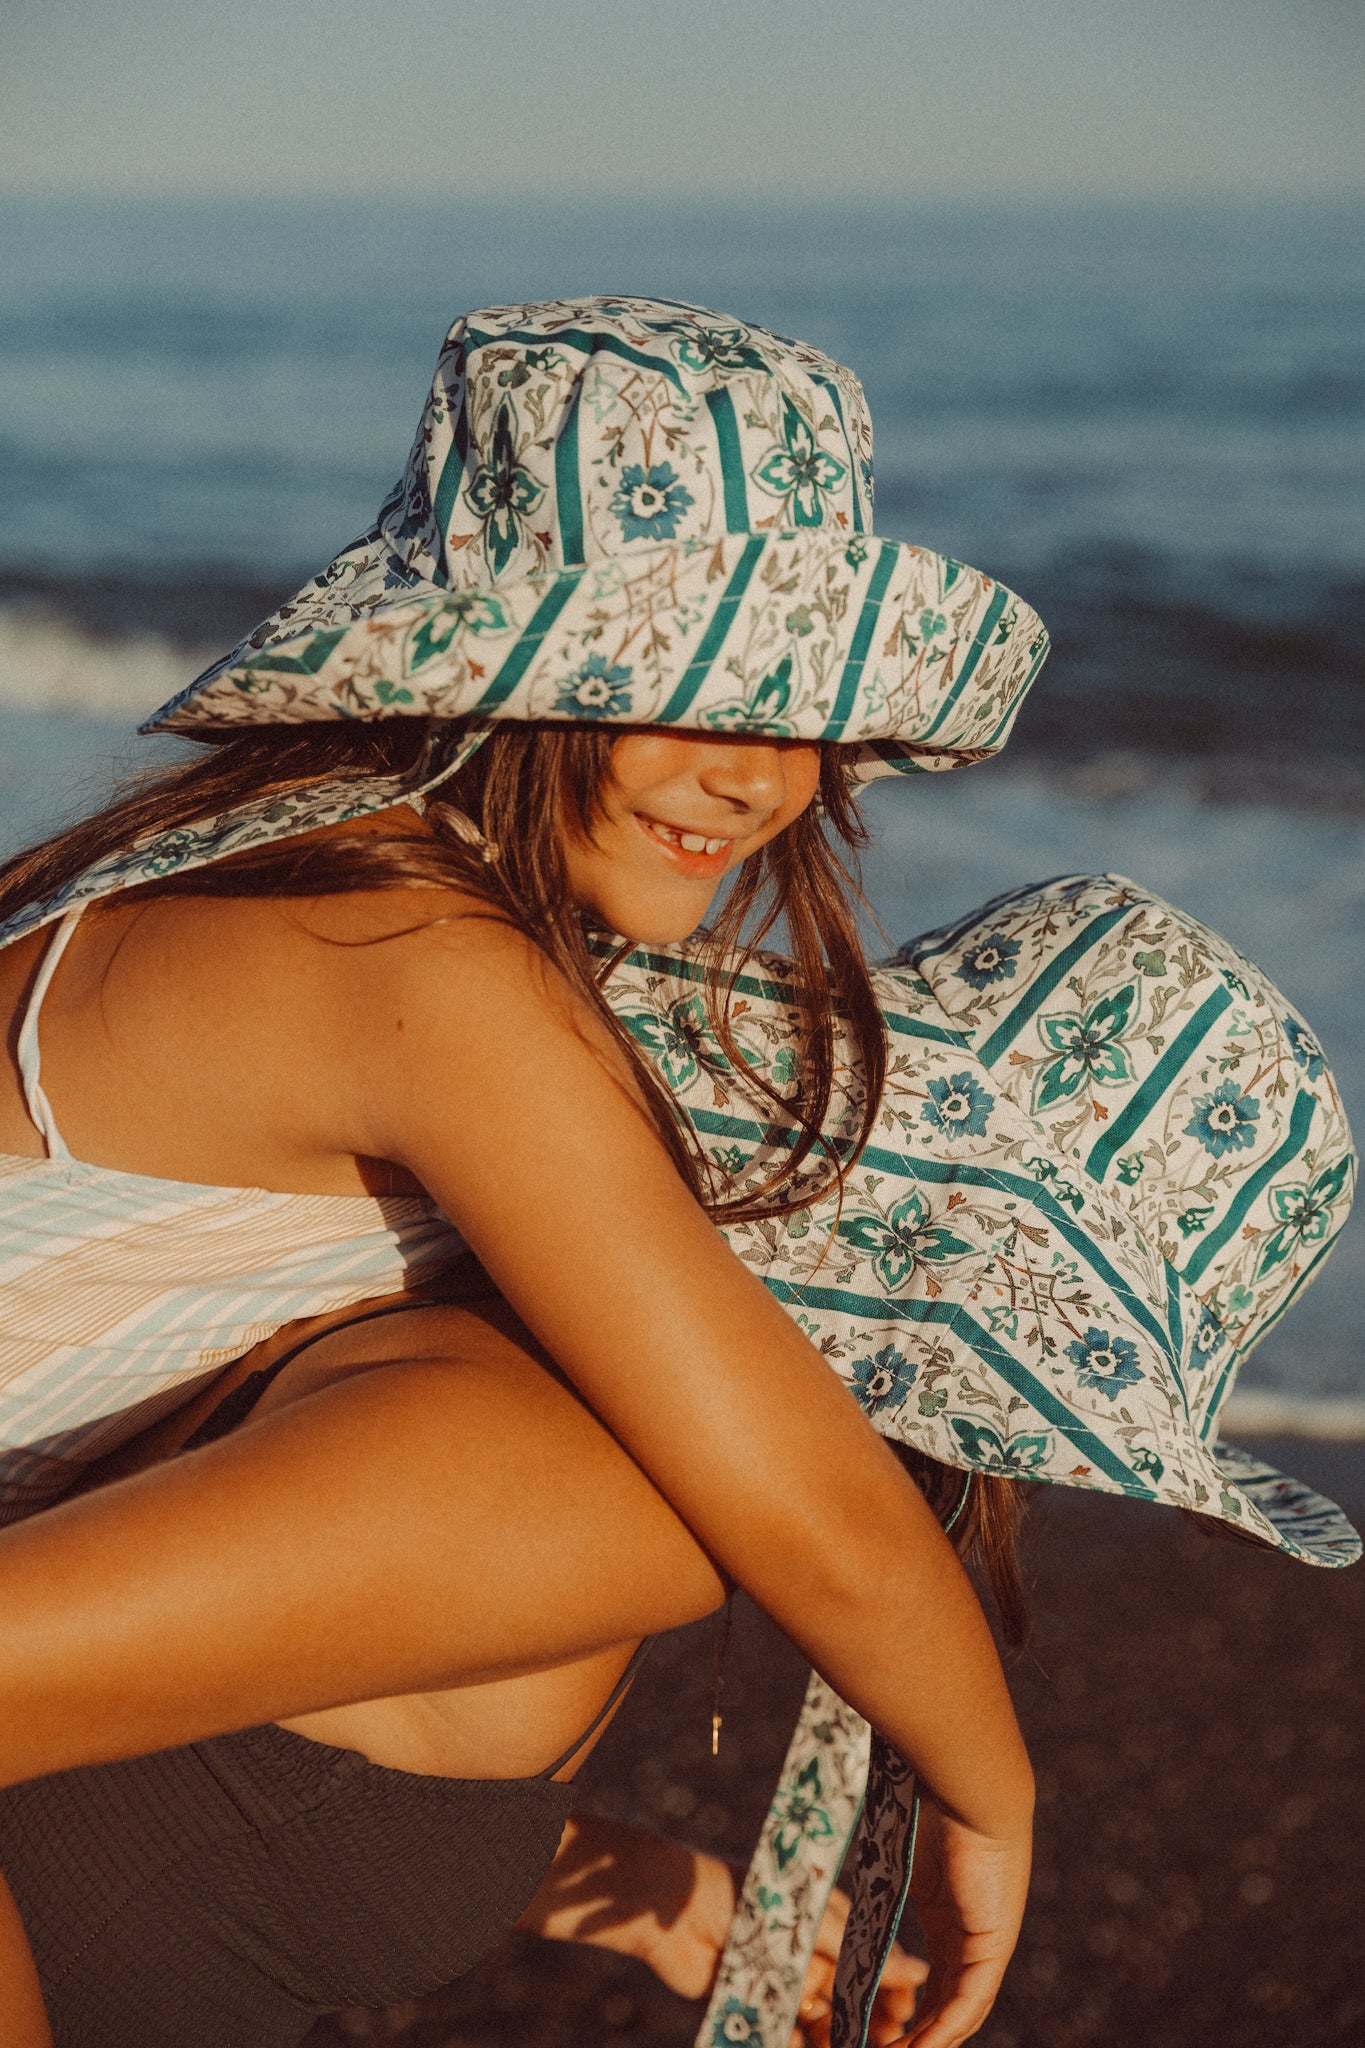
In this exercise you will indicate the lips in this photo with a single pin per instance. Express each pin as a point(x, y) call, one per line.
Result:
point(694, 853)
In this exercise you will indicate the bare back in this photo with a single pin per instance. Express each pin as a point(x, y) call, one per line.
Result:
point(172, 1046)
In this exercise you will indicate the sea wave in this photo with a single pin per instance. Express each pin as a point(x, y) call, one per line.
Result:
point(1269, 1411)
point(59, 665)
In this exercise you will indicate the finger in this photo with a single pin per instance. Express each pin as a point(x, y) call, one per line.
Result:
point(966, 2010)
point(903, 1971)
point(817, 1993)
point(891, 2018)
point(813, 2021)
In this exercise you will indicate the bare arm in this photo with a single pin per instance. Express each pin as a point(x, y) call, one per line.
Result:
point(706, 1381)
point(309, 1561)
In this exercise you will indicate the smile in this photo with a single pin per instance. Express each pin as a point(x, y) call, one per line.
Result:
point(695, 852)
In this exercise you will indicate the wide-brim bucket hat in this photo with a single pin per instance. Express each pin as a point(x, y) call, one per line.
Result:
point(1109, 1155)
point(637, 512)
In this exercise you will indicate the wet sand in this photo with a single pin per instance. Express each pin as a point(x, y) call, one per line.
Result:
point(1194, 1709)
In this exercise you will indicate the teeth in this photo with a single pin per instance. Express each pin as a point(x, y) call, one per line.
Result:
point(690, 842)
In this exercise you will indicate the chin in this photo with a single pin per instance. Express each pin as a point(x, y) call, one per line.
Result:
point(658, 929)
point(660, 924)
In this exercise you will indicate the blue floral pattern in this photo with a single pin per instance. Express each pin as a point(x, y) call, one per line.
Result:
point(988, 959)
point(1225, 1120)
point(599, 690)
point(882, 1381)
point(736, 2026)
point(650, 502)
point(1108, 1364)
point(958, 1104)
point(1305, 1048)
point(1209, 1336)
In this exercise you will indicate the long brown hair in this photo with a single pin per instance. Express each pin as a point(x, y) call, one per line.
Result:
point(524, 786)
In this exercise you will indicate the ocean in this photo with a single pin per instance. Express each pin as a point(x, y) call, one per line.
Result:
point(1149, 420)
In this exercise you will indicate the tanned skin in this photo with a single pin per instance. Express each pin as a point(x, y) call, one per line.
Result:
point(440, 1534)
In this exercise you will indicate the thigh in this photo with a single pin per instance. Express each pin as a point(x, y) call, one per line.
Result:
point(426, 1505)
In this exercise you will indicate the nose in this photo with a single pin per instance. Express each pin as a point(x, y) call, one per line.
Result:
point(748, 773)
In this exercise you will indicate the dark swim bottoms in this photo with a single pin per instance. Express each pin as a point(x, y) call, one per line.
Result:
point(228, 1893)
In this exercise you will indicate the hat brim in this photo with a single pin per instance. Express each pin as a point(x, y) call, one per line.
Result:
point(911, 660)
point(1306, 1524)
point(910, 1277)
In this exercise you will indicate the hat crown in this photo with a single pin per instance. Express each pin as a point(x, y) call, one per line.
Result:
point(581, 430)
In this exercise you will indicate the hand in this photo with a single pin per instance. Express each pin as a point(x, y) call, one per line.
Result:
point(895, 2002)
point(640, 1894)
point(669, 1906)
point(969, 1890)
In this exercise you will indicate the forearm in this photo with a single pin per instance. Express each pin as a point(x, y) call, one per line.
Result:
point(768, 1460)
point(890, 1619)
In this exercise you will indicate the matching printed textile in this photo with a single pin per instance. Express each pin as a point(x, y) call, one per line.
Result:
point(634, 511)
point(1109, 1155)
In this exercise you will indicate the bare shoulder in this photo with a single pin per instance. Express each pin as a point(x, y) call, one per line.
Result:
point(438, 955)
point(437, 994)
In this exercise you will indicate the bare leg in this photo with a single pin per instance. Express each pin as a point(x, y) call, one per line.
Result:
point(23, 2023)
point(420, 1503)
point(455, 1518)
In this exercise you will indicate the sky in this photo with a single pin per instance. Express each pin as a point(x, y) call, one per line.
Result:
point(840, 100)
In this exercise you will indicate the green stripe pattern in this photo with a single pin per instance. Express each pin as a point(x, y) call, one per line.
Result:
point(862, 640)
point(720, 405)
point(713, 639)
point(1161, 1079)
point(529, 643)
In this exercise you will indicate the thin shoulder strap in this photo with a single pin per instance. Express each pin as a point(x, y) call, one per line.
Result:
point(27, 1053)
point(613, 1697)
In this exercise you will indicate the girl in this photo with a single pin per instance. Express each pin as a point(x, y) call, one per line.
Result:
point(323, 1083)
point(426, 1579)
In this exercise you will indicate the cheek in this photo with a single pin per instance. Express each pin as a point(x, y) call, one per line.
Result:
point(802, 779)
point(805, 780)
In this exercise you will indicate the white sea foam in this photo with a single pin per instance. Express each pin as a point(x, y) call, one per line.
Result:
point(1268, 1411)
point(49, 664)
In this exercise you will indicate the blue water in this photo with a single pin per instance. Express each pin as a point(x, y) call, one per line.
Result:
point(1150, 420)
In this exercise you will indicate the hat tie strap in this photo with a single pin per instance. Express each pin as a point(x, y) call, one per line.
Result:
point(883, 1863)
point(811, 1820)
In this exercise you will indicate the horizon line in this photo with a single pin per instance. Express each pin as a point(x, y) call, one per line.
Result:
point(718, 198)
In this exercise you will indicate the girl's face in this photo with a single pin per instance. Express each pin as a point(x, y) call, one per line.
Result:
point(681, 810)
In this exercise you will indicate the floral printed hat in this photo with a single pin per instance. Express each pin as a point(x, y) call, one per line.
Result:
point(635, 511)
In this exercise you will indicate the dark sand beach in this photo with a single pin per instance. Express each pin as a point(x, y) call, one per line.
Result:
point(1194, 1711)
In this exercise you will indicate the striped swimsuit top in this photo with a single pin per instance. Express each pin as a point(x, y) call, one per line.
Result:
point(122, 1295)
